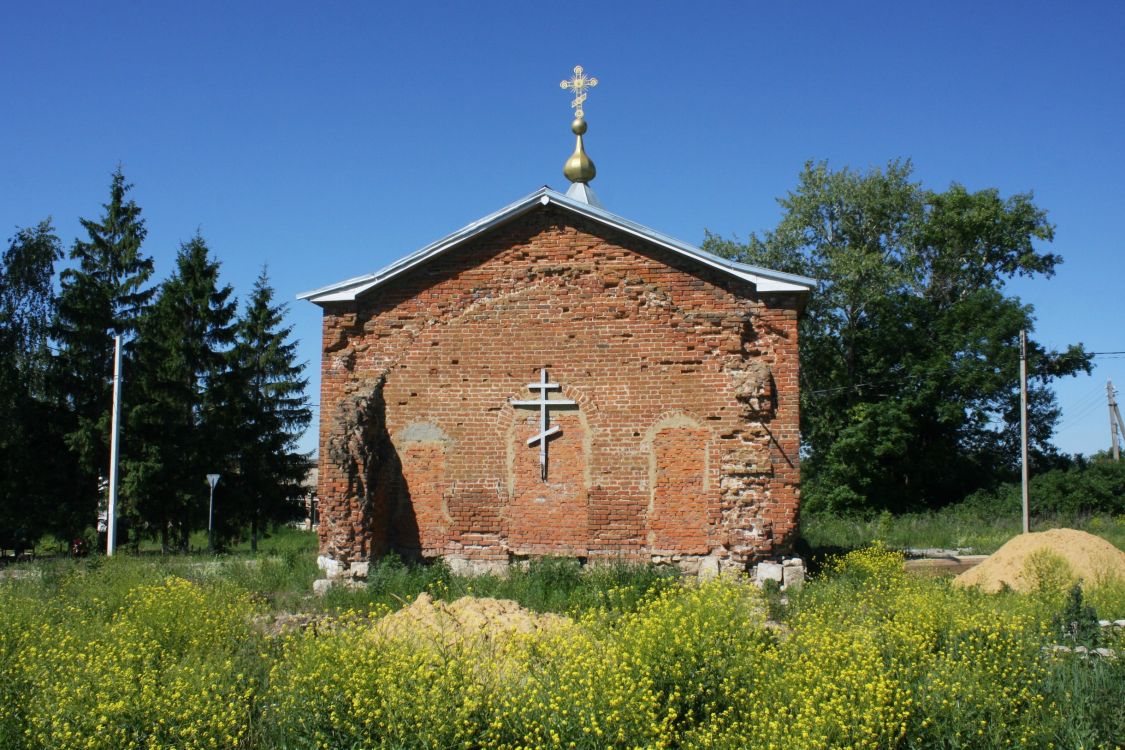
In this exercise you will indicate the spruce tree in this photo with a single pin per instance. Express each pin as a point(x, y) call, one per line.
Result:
point(103, 294)
point(29, 443)
point(176, 423)
point(272, 413)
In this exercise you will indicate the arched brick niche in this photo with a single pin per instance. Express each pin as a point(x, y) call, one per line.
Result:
point(680, 501)
point(420, 519)
point(549, 516)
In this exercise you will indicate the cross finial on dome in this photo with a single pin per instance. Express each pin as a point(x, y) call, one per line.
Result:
point(578, 83)
point(579, 168)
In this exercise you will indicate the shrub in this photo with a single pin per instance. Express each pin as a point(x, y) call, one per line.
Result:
point(348, 688)
point(865, 657)
point(168, 668)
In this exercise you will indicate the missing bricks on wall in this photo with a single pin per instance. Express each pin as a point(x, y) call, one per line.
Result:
point(558, 384)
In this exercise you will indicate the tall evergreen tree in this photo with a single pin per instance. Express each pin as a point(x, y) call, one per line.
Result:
point(909, 355)
point(272, 413)
point(103, 294)
point(29, 443)
point(177, 421)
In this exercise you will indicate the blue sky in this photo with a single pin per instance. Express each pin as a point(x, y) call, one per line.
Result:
point(328, 139)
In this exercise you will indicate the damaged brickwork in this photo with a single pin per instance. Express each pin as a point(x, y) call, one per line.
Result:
point(682, 445)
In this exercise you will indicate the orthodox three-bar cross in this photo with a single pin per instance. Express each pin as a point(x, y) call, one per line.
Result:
point(545, 430)
point(578, 84)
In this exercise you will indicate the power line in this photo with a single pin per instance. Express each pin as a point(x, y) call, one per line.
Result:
point(1078, 414)
point(1092, 398)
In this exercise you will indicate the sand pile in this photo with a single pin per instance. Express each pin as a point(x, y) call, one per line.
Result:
point(468, 617)
point(1091, 558)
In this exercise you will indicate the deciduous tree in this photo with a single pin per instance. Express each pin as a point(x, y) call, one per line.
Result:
point(29, 441)
point(909, 355)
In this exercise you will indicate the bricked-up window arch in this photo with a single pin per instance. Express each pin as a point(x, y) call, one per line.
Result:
point(420, 516)
point(679, 448)
point(552, 517)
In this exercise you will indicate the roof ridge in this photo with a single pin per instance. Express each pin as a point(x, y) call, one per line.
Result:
point(764, 279)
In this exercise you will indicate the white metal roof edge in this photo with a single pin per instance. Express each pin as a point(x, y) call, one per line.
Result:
point(352, 288)
point(765, 280)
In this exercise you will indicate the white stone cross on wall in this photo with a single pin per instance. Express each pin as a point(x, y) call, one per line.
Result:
point(545, 431)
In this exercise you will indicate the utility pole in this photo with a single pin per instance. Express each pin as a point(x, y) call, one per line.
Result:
point(1114, 419)
point(114, 431)
point(1023, 431)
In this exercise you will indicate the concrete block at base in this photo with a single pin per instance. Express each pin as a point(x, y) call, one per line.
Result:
point(322, 585)
point(793, 574)
point(464, 566)
point(331, 568)
point(708, 568)
point(359, 570)
point(769, 571)
point(689, 566)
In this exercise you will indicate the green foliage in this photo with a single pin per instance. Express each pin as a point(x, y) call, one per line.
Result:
point(965, 525)
point(266, 413)
point(909, 359)
point(30, 444)
point(168, 667)
point(1084, 487)
point(1077, 622)
point(102, 294)
point(1050, 576)
point(545, 585)
point(27, 268)
point(176, 420)
point(128, 654)
point(203, 392)
point(1091, 692)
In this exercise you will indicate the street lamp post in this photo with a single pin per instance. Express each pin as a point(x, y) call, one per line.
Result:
point(212, 479)
point(115, 431)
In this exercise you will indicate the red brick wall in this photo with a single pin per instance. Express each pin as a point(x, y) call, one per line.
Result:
point(684, 441)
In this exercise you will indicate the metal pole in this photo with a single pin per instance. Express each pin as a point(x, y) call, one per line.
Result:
point(1114, 424)
point(114, 430)
point(1023, 430)
point(212, 480)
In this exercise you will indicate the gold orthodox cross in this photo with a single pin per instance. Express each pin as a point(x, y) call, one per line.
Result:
point(578, 83)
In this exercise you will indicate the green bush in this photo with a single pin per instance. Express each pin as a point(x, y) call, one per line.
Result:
point(1086, 487)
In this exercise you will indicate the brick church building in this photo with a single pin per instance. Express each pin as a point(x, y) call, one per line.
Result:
point(554, 379)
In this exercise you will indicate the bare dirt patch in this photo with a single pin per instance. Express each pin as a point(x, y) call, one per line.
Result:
point(1091, 558)
point(466, 618)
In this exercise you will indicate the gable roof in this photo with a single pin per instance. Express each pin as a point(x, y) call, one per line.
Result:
point(763, 279)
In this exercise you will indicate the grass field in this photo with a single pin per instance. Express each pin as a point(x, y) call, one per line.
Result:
point(178, 651)
point(954, 528)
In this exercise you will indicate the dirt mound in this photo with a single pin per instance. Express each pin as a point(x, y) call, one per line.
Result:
point(1089, 557)
point(468, 617)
